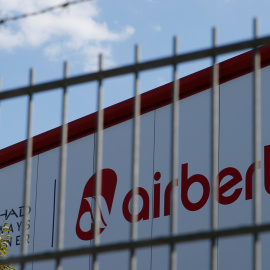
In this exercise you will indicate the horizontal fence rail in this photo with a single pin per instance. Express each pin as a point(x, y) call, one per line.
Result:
point(185, 238)
point(142, 66)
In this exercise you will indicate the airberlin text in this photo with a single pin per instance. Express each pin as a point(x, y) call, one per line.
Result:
point(188, 180)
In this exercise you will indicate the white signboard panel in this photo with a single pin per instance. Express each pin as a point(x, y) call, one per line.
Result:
point(236, 170)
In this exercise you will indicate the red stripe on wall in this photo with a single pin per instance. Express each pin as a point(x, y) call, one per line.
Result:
point(151, 100)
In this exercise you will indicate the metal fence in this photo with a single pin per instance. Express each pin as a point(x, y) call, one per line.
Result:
point(175, 60)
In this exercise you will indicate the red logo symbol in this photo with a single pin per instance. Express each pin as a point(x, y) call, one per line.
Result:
point(108, 186)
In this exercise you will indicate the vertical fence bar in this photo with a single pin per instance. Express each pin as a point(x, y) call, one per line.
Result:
point(0, 90)
point(135, 160)
point(257, 150)
point(28, 169)
point(62, 172)
point(98, 163)
point(174, 158)
point(214, 153)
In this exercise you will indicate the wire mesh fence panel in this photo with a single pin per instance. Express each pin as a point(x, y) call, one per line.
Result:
point(172, 178)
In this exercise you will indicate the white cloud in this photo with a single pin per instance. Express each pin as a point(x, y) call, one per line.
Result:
point(53, 51)
point(10, 39)
point(59, 32)
point(157, 28)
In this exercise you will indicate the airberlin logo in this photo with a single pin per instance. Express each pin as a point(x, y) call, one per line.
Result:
point(227, 181)
point(108, 186)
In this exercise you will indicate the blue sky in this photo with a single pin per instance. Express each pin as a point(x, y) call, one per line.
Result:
point(79, 33)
